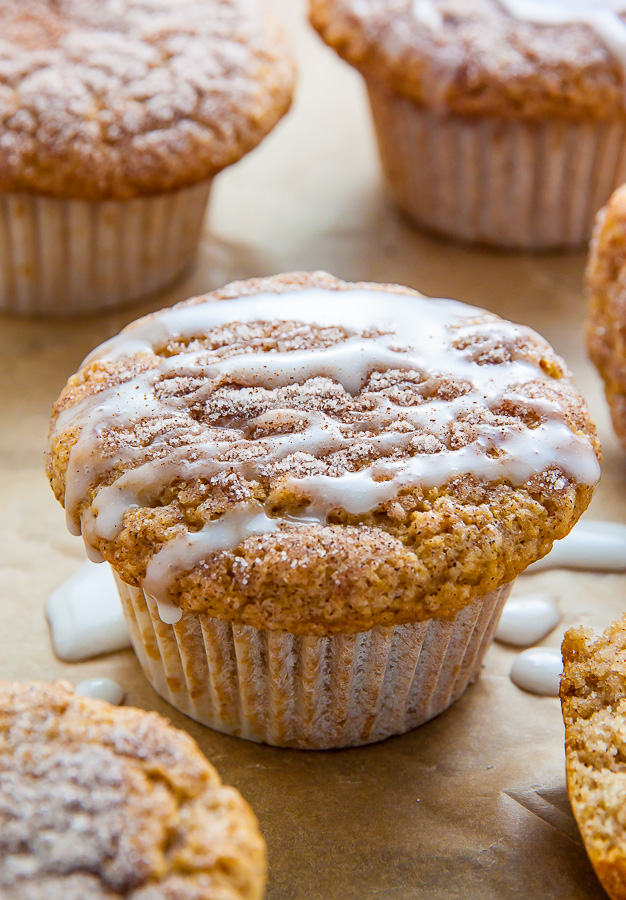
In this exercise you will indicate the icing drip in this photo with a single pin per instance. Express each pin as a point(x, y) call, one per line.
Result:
point(599, 546)
point(101, 689)
point(427, 14)
point(527, 620)
point(374, 333)
point(188, 549)
point(538, 671)
point(85, 615)
point(601, 15)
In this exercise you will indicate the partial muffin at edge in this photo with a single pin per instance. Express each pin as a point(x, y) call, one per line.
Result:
point(606, 320)
point(427, 552)
point(593, 698)
point(106, 802)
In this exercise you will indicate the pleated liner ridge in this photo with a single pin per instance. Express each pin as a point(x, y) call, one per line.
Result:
point(310, 692)
point(510, 183)
point(60, 257)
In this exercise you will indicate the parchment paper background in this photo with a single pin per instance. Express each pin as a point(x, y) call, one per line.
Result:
point(472, 805)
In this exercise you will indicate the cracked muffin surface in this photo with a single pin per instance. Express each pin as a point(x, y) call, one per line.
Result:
point(473, 57)
point(106, 803)
point(104, 99)
point(299, 453)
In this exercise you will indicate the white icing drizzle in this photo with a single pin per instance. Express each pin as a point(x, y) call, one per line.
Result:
point(527, 620)
point(382, 331)
point(426, 13)
point(101, 689)
point(190, 548)
point(600, 15)
point(591, 545)
point(538, 671)
point(85, 615)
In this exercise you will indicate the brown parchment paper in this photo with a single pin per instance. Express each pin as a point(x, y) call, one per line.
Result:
point(472, 805)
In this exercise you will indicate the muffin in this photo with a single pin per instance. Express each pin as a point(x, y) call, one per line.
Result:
point(499, 121)
point(606, 322)
point(115, 116)
point(315, 495)
point(101, 802)
point(593, 697)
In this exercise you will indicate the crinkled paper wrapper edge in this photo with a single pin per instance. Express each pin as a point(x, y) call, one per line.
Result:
point(310, 692)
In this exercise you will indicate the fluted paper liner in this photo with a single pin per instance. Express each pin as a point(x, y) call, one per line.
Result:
point(310, 692)
point(60, 257)
point(510, 183)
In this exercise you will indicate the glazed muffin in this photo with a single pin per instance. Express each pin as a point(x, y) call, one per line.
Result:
point(315, 495)
point(100, 802)
point(498, 121)
point(593, 697)
point(606, 322)
point(115, 117)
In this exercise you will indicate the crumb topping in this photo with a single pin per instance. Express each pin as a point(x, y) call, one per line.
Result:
point(473, 57)
point(118, 98)
point(105, 802)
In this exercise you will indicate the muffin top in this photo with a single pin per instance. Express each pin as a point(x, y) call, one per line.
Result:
point(106, 803)
point(606, 323)
point(305, 454)
point(120, 98)
point(511, 58)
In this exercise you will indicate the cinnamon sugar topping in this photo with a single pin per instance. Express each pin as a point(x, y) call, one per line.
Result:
point(295, 408)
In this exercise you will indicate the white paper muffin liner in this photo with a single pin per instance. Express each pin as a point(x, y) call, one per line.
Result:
point(508, 183)
point(310, 692)
point(61, 257)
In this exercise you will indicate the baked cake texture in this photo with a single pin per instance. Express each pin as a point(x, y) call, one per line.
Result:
point(103, 99)
point(315, 495)
point(593, 697)
point(498, 121)
point(103, 802)
point(606, 323)
point(115, 116)
point(419, 550)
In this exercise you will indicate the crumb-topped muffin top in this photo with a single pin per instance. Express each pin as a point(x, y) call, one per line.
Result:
point(305, 454)
point(119, 98)
point(514, 58)
point(105, 802)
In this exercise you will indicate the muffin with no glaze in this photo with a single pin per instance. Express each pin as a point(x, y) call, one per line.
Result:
point(315, 495)
point(593, 698)
point(115, 117)
point(606, 322)
point(103, 803)
point(499, 121)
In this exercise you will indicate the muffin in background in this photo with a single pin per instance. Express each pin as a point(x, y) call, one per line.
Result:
point(499, 121)
point(114, 119)
point(315, 495)
point(593, 699)
point(606, 320)
point(106, 802)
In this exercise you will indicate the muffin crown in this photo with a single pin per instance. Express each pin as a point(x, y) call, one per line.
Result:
point(318, 455)
point(100, 801)
point(120, 98)
point(513, 58)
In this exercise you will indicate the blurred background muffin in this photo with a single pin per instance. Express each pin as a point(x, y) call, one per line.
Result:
point(498, 121)
point(315, 496)
point(606, 322)
point(106, 802)
point(114, 119)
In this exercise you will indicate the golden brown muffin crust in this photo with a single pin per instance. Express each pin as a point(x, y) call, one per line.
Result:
point(606, 321)
point(120, 98)
point(425, 551)
point(478, 61)
point(593, 698)
point(105, 803)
